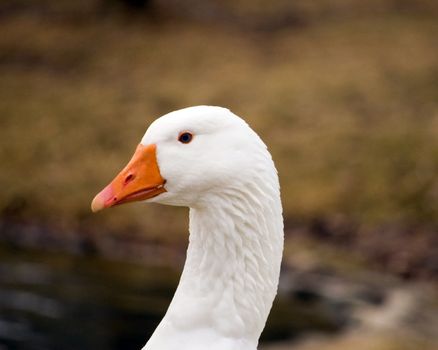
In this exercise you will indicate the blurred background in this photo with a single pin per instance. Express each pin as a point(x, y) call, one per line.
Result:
point(344, 92)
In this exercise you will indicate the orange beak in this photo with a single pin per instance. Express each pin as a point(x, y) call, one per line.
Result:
point(139, 180)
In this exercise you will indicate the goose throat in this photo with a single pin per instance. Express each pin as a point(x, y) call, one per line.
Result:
point(231, 272)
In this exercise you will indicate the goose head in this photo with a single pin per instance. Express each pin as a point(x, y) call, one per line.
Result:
point(210, 160)
point(185, 158)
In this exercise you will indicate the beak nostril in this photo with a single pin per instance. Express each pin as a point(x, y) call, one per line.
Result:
point(129, 178)
point(115, 199)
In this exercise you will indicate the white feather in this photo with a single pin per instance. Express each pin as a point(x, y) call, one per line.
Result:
point(228, 179)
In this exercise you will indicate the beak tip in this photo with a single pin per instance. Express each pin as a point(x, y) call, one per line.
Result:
point(97, 204)
point(101, 200)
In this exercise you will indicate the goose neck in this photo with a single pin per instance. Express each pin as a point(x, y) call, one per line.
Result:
point(233, 260)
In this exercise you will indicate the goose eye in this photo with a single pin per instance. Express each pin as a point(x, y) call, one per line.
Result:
point(185, 137)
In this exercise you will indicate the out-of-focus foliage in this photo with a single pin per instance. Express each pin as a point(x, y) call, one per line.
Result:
point(344, 94)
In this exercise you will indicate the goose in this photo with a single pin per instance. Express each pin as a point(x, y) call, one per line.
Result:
point(208, 159)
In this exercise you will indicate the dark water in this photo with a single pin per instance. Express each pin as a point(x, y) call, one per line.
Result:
point(64, 301)
point(59, 301)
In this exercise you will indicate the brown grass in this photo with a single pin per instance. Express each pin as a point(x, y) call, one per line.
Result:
point(348, 106)
point(363, 340)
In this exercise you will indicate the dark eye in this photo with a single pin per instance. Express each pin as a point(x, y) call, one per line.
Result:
point(185, 137)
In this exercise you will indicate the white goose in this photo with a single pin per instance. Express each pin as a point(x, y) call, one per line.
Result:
point(210, 160)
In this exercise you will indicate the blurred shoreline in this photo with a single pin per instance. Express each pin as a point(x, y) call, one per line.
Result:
point(399, 251)
point(328, 296)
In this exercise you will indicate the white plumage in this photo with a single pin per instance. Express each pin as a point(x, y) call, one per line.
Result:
point(227, 178)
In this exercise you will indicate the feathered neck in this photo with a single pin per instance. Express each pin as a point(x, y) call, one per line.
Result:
point(231, 272)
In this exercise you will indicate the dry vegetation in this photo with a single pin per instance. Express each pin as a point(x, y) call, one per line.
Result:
point(363, 341)
point(346, 98)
